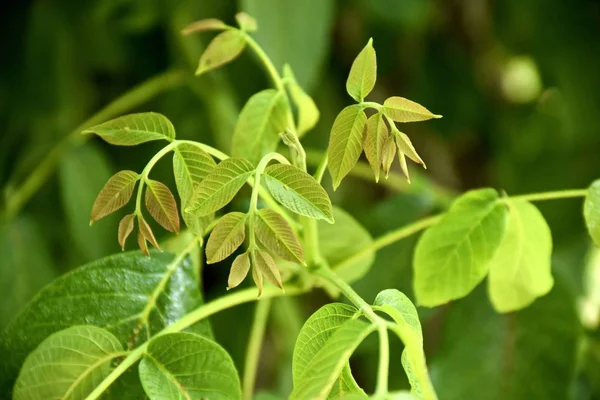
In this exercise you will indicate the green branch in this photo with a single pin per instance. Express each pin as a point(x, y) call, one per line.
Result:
point(257, 334)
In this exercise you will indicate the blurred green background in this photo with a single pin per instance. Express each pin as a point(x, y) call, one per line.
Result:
point(518, 83)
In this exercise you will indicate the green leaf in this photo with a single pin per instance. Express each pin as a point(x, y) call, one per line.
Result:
point(363, 73)
point(375, 137)
point(161, 204)
point(325, 367)
point(225, 47)
point(114, 195)
point(520, 271)
point(226, 237)
point(313, 336)
point(246, 22)
point(591, 211)
point(239, 270)
point(453, 256)
point(298, 191)
point(259, 124)
point(400, 109)
point(188, 366)
point(274, 232)
point(68, 365)
point(405, 146)
point(308, 113)
point(133, 129)
point(129, 294)
point(208, 24)
point(388, 155)
point(220, 186)
point(345, 142)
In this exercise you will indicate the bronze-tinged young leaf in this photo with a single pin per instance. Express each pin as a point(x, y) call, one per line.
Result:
point(114, 195)
point(222, 49)
point(142, 243)
point(591, 211)
point(308, 113)
point(246, 22)
point(133, 129)
point(220, 186)
point(226, 237)
point(125, 229)
point(298, 191)
point(274, 232)
point(345, 142)
point(239, 270)
point(147, 235)
point(388, 155)
point(266, 267)
point(375, 137)
point(162, 205)
point(209, 24)
point(257, 277)
point(363, 73)
point(400, 109)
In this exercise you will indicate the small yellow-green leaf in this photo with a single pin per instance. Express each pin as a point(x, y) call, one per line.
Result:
point(246, 22)
point(125, 229)
point(266, 266)
point(375, 137)
point(363, 73)
point(274, 232)
point(388, 155)
point(222, 49)
point(133, 129)
point(114, 195)
point(257, 276)
point(239, 270)
point(405, 146)
point(345, 142)
point(298, 191)
point(147, 235)
point(403, 110)
point(209, 24)
point(308, 113)
point(162, 205)
point(591, 211)
point(403, 165)
point(226, 237)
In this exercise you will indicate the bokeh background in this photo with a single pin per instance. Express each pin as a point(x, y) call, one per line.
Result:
point(518, 83)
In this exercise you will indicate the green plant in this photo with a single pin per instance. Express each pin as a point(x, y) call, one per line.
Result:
point(82, 336)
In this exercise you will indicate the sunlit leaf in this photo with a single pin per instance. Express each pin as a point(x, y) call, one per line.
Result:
point(400, 109)
point(246, 22)
point(274, 232)
point(363, 73)
point(222, 49)
point(239, 270)
point(226, 237)
point(133, 129)
point(308, 113)
point(257, 277)
point(375, 137)
point(345, 142)
point(161, 204)
point(209, 24)
point(125, 228)
point(405, 146)
point(591, 211)
point(145, 234)
point(298, 191)
point(68, 365)
point(265, 265)
point(388, 155)
point(453, 256)
point(115, 194)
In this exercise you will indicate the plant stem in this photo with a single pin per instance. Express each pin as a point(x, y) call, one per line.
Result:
point(384, 362)
point(559, 194)
point(266, 61)
point(131, 99)
point(146, 172)
point(257, 334)
point(321, 167)
point(371, 104)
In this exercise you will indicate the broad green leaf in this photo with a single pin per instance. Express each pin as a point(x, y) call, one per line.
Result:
point(246, 22)
point(274, 232)
point(259, 124)
point(520, 271)
point(188, 366)
point(375, 137)
point(264, 264)
point(133, 129)
point(345, 142)
point(125, 228)
point(129, 294)
point(453, 256)
point(161, 204)
point(308, 113)
point(114, 195)
point(591, 211)
point(324, 369)
point(209, 24)
point(68, 364)
point(312, 338)
point(222, 49)
point(220, 186)
point(400, 109)
point(226, 237)
point(239, 270)
point(363, 73)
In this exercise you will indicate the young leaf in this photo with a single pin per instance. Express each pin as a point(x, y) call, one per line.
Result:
point(400, 109)
point(68, 365)
point(403, 165)
point(246, 22)
point(220, 186)
point(162, 205)
point(239, 270)
point(405, 146)
point(375, 137)
point(266, 266)
point(298, 191)
point(453, 256)
point(226, 237)
point(345, 142)
point(141, 240)
point(591, 211)
point(257, 129)
point(308, 113)
point(274, 232)
point(388, 155)
point(114, 195)
point(363, 73)
point(257, 276)
point(188, 366)
point(125, 229)
point(133, 129)
point(190, 166)
point(146, 234)
point(520, 271)
point(222, 49)
point(209, 24)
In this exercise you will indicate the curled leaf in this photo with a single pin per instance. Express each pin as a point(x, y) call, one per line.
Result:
point(400, 109)
point(209, 24)
point(114, 195)
point(147, 235)
point(125, 229)
point(274, 232)
point(239, 270)
point(142, 243)
point(162, 205)
point(134, 129)
point(246, 22)
point(375, 137)
point(362, 76)
point(388, 155)
point(226, 237)
point(222, 49)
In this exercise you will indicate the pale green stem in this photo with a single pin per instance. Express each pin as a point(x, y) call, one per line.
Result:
point(146, 172)
point(257, 334)
point(371, 104)
point(322, 166)
point(559, 194)
point(384, 361)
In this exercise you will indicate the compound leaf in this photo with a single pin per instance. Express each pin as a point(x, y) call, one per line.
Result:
point(115, 194)
point(133, 129)
point(222, 49)
point(226, 237)
point(363, 73)
point(274, 232)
